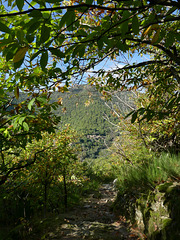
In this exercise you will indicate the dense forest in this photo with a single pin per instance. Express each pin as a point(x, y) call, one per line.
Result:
point(83, 107)
point(85, 110)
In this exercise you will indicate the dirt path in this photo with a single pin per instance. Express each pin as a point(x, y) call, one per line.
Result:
point(93, 220)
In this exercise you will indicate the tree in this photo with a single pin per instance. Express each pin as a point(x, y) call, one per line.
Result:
point(45, 44)
point(45, 184)
point(20, 123)
point(80, 34)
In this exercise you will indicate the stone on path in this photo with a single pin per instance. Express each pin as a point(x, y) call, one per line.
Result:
point(93, 220)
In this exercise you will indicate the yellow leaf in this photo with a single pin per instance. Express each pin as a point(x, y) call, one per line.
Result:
point(147, 31)
point(156, 36)
point(16, 92)
point(20, 54)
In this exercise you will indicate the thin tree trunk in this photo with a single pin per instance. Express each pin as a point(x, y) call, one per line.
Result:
point(65, 189)
point(45, 195)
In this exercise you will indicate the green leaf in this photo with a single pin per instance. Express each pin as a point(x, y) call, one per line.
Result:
point(9, 55)
point(169, 40)
point(171, 10)
point(124, 28)
point(129, 114)
point(35, 55)
point(135, 25)
point(16, 92)
point(81, 33)
point(46, 15)
point(81, 50)
point(44, 60)
point(124, 24)
point(70, 20)
point(4, 28)
point(76, 51)
point(25, 126)
point(45, 33)
point(42, 99)
point(57, 52)
point(20, 4)
point(35, 14)
point(30, 38)
point(20, 54)
point(63, 20)
point(177, 36)
point(21, 119)
point(12, 48)
point(30, 104)
point(100, 43)
point(33, 27)
point(20, 35)
point(89, 1)
point(18, 64)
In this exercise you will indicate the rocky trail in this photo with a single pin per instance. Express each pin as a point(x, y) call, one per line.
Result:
point(93, 220)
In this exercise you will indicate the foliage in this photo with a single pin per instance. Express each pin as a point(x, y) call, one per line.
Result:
point(161, 134)
point(45, 45)
point(140, 178)
point(80, 34)
point(45, 184)
point(103, 168)
point(85, 110)
point(21, 121)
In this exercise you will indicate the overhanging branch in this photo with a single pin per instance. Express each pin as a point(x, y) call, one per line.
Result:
point(18, 167)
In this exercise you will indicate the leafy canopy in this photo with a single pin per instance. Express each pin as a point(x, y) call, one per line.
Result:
point(47, 43)
point(53, 41)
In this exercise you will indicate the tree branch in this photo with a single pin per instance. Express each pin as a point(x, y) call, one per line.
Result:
point(176, 59)
point(18, 167)
point(141, 64)
point(89, 6)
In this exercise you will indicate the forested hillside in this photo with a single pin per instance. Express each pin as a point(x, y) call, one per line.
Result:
point(83, 107)
point(85, 110)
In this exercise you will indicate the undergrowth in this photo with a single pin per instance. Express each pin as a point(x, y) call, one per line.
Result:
point(145, 176)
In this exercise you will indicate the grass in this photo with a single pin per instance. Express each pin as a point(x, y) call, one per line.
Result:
point(146, 176)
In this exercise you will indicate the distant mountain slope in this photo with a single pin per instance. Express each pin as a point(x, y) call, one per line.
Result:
point(83, 108)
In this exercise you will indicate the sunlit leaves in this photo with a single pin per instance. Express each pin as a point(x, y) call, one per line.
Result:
point(81, 37)
point(155, 36)
point(25, 126)
point(30, 104)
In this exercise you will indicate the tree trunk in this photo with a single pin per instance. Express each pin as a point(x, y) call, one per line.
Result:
point(65, 189)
